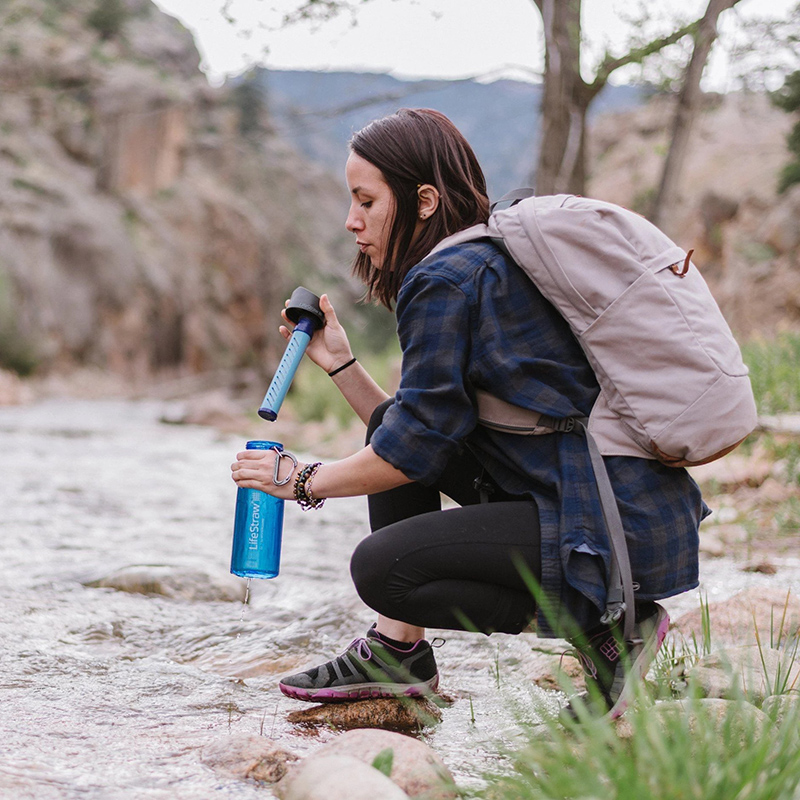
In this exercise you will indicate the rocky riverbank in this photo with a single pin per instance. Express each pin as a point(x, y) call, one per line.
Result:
point(125, 641)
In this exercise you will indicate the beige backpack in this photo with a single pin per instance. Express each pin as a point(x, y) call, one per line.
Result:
point(673, 385)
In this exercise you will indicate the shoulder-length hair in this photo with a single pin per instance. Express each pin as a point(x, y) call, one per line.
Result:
point(413, 147)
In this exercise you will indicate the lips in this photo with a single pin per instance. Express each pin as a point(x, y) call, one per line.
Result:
point(362, 246)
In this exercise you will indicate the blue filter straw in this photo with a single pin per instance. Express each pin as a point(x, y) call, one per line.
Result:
point(304, 311)
point(257, 529)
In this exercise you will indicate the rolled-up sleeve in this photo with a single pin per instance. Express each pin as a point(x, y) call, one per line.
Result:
point(433, 411)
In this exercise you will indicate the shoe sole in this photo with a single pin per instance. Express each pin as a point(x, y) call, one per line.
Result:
point(360, 691)
point(641, 665)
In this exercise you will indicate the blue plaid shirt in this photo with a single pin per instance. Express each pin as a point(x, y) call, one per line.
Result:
point(469, 319)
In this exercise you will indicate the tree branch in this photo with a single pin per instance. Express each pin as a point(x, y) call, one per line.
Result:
point(637, 55)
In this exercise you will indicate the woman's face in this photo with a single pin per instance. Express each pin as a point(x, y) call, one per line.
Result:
point(372, 208)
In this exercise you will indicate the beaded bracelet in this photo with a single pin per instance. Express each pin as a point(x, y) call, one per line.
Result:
point(302, 487)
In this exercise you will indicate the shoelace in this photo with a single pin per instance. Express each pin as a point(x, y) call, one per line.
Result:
point(587, 665)
point(362, 648)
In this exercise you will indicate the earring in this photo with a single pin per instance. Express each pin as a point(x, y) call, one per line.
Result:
point(423, 216)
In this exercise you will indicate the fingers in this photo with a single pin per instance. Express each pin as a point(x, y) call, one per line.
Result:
point(326, 307)
point(285, 332)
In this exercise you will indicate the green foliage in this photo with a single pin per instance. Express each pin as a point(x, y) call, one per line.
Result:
point(788, 98)
point(685, 751)
point(774, 373)
point(383, 761)
point(789, 176)
point(314, 396)
point(17, 353)
point(248, 97)
point(108, 18)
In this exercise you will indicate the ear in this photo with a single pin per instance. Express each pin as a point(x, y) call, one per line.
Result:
point(427, 200)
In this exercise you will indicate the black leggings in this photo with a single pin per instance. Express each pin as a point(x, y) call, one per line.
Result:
point(454, 569)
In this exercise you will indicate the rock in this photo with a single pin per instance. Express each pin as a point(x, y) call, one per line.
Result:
point(710, 544)
point(248, 756)
point(338, 777)
point(732, 619)
point(703, 717)
point(781, 423)
point(764, 567)
point(215, 409)
point(416, 768)
point(779, 707)
point(13, 391)
point(406, 715)
point(734, 470)
point(750, 672)
point(781, 228)
point(175, 583)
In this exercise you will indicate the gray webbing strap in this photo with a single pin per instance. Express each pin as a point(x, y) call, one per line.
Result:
point(512, 198)
point(620, 584)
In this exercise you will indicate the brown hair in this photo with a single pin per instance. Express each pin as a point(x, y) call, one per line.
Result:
point(413, 147)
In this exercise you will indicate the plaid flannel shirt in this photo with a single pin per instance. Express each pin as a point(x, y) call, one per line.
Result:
point(469, 318)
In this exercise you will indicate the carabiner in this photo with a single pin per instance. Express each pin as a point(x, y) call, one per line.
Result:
point(279, 455)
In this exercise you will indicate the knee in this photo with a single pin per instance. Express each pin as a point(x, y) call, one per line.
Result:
point(377, 417)
point(366, 572)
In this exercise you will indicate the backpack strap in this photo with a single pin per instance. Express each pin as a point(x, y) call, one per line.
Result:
point(619, 592)
point(512, 198)
point(501, 416)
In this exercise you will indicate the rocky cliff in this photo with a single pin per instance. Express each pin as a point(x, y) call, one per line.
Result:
point(745, 236)
point(147, 221)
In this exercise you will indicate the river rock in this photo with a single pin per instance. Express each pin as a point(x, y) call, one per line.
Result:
point(779, 707)
point(751, 672)
point(731, 717)
point(175, 583)
point(248, 756)
point(416, 768)
point(732, 619)
point(339, 777)
point(408, 715)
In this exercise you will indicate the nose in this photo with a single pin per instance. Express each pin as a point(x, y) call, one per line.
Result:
point(354, 223)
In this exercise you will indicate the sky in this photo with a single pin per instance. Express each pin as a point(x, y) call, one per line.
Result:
point(419, 38)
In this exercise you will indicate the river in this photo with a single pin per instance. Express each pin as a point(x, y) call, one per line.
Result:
point(108, 694)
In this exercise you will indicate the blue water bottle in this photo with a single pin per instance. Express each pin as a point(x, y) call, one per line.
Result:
point(258, 526)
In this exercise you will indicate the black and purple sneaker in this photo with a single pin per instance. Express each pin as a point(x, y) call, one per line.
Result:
point(370, 667)
point(613, 667)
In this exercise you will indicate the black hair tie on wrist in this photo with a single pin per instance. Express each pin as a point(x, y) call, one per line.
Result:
point(344, 366)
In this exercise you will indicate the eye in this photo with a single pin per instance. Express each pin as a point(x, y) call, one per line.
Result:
point(366, 204)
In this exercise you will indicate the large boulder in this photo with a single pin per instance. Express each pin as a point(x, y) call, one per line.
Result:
point(340, 778)
point(415, 767)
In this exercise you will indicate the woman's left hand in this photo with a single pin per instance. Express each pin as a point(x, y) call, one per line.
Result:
point(255, 469)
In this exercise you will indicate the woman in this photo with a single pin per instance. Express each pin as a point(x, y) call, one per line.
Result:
point(469, 319)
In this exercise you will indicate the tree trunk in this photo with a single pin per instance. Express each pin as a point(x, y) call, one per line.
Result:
point(561, 163)
point(689, 100)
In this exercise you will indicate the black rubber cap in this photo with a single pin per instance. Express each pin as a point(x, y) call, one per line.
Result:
point(303, 303)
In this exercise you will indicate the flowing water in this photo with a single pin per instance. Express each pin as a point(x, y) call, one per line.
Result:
point(107, 694)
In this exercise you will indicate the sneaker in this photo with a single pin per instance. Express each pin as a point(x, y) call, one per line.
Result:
point(612, 666)
point(370, 667)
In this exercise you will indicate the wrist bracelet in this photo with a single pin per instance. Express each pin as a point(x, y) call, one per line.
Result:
point(302, 487)
point(344, 366)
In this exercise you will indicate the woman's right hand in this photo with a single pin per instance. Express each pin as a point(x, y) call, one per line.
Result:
point(329, 347)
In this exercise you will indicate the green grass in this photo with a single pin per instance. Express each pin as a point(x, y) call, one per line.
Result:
point(688, 750)
point(314, 396)
point(682, 749)
point(774, 373)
